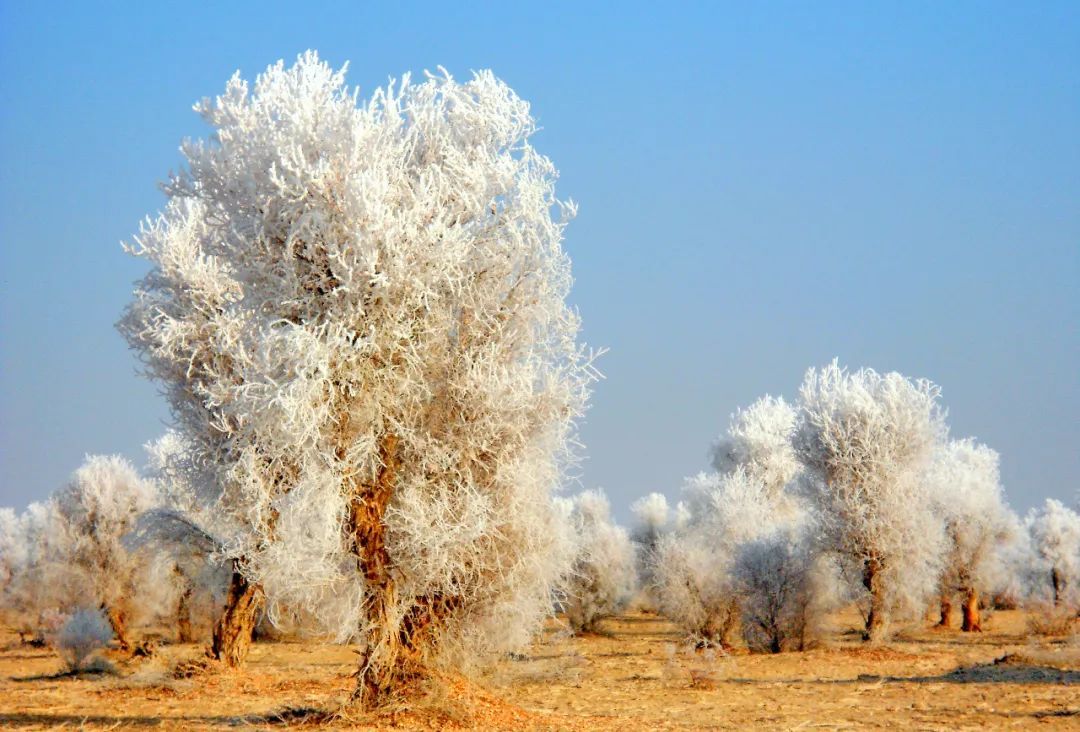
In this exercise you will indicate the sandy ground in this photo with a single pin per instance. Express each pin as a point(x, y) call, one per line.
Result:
point(635, 676)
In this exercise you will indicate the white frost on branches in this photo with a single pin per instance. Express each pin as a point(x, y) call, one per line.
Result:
point(692, 571)
point(1055, 540)
point(349, 293)
point(603, 578)
point(758, 440)
point(966, 486)
point(866, 440)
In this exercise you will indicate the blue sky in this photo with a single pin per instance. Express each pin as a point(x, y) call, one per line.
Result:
point(762, 187)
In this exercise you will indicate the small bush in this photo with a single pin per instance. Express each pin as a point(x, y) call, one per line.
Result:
point(1052, 620)
point(774, 579)
point(84, 633)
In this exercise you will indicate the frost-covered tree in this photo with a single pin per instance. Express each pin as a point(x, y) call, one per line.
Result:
point(12, 547)
point(706, 572)
point(1054, 530)
point(652, 520)
point(95, 511)
point(71, 551)
point(35, 585)
point(357, 312)
point(758, 440)
point(784, 586)
point(187, 536)
point(651, 514)
point(865, 440)
point(603, 578)
point(965, 483)
point(692, 568)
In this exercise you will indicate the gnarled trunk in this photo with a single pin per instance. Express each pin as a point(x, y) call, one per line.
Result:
point(232, 632)
point(118, 621)
point(946, 610)
point(393, 656)
point(972, 622)
point(1059, 585)
point(183, 617)
point(875, 619)
point(183, 607)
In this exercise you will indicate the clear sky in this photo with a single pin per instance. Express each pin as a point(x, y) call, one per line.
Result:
point(763, 186)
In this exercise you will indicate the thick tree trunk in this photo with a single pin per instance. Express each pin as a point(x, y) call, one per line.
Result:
point(395, 654)
point(946, 611)
point(183, 617)
point(1059, 585)
point(233, 630)
point(972, 622)
point(118, 621)
point(383, 660)
point(875, 619)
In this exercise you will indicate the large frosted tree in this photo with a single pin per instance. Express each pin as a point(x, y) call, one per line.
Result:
point(866, 441)
point(357, 312)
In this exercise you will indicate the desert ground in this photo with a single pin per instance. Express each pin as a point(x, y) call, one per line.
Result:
point(635, 675)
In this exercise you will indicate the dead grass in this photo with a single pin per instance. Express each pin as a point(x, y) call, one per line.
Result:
point(638, 676)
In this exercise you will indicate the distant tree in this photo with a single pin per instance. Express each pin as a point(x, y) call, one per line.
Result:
point(692, 569)
point(185, 537)
point(94, 513)
point(783, 588)
point(758, 440)
point(71, 552)
point(358, 315)
point(865, 440)
point(965, 483)
point(603, 578)
point(1055, 539)
point(743, 521)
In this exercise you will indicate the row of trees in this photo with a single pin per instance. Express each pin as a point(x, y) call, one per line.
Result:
point(357, 312)
point(805, 511)
point(855, 493)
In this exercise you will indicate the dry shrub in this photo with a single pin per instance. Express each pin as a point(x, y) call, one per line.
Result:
point(1052, 620)
point(84, 634)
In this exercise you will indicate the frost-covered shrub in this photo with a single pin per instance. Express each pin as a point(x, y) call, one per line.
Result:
point(966, 487)
point(603, 578)
point(82, 635)
point(692, 577)
point(357, 312)
point(1054, 532)
point(866, 440)
point(652, 520)
point(782, 586)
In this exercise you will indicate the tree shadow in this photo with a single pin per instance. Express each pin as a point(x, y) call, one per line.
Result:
point(38, 720)
point(1001, 671)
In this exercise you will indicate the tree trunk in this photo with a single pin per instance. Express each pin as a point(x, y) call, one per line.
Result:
point(183, 617)
point(395, 654)
point(183, 606)
point(232, 632)
point(972, 621)
point(875, 619)
point(1059, 585)
point(118, 621)
point(946, 611)
point(382, 662)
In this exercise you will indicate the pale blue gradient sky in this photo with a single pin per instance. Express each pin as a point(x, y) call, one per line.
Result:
point(762, 187)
